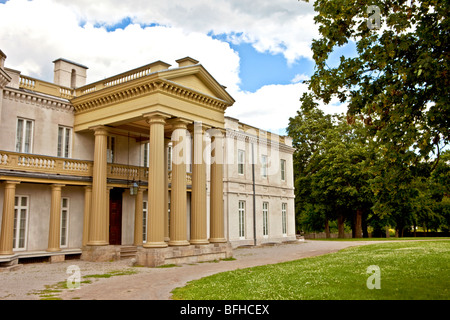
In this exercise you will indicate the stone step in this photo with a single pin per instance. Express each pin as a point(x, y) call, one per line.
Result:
point(128, 252)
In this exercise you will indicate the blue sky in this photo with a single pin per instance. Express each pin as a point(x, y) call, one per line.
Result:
point(259, 50)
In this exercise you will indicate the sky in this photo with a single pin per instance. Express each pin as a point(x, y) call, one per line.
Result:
point(260, 50)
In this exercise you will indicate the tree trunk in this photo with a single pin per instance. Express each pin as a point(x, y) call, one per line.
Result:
point(327, 228)
point(341, 231)
point(358, 220)
point(365, 233)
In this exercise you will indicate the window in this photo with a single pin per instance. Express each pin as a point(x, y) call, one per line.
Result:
point(64, 138)
point(146, 154)
point(169, 158)
point(283, 170)
point(242, 219)
point(64, 221)
point(20, 222)
point(111, 149)
point(264, 166)
point(24, 135)
point(265, 218)
point(241, 161)
point(283, 218)
point(144, 221)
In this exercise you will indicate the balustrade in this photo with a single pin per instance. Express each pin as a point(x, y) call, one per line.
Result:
point(14, 161)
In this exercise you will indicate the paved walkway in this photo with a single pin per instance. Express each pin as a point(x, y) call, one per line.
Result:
point(149, 283)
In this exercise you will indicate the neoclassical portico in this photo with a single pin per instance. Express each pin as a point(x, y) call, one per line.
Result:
point(164, 109)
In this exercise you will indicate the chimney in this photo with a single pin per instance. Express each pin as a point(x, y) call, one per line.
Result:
point(159, 66)
point(185, 62)
point(69, 74)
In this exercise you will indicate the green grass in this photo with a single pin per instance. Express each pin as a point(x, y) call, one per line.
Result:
point(380, 239)
point(408, 271)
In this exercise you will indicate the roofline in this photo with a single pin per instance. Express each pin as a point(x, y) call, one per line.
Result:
point(71, 62)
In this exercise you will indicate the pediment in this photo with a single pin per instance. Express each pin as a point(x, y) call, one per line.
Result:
point(198, 79)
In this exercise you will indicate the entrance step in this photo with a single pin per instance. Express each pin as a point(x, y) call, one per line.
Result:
point(128, 252)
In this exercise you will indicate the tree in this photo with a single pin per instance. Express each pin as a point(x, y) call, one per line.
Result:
point(397, 85)
point(398, 82)
point(331, 165)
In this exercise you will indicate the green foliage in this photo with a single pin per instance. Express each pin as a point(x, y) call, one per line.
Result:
point(385, 157)
point(398, 81)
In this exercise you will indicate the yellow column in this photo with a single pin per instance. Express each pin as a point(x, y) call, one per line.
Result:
point(178, 218)
point(156, 178)
point(98, 224)
point(216, 194)
point(166, 190)
point(198, 198)
point(6, 236)
point(138, 217)
point(87, 212)
point(55, 219)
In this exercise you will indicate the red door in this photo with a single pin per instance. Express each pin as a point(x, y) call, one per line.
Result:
point(115, 217)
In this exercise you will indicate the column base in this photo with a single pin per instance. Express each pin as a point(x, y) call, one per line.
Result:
point(100, 253)
point(178, 243)
point(97, 243)
point(150, 245)
point(155, 257)
point(199, 242)
point(217, 240)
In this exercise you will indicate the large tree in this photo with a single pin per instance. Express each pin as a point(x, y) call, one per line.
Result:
point(398, 82)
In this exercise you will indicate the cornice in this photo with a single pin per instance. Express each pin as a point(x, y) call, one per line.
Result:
point(4, 78)
point(250, 138)
point(117, 94)
point(37, 99)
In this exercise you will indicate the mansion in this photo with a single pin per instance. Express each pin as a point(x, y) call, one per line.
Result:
point(142, 164)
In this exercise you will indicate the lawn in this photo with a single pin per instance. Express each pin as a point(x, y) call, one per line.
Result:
point(408, 271)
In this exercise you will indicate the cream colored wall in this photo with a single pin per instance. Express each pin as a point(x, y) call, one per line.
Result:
point(270, 189)
point(46, 121)
point(39, 214)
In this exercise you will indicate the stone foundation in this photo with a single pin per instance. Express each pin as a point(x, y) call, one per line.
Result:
point(155, 257)
point(100, 253)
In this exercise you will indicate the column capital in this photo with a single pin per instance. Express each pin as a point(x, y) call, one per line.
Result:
point(100, 130)
point(217, 132)
point(57, 186)
point(156, 117)
point(198, 127)
point(179, 123)
point(11, 184)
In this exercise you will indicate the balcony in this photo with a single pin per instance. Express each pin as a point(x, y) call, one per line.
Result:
point(64, 167)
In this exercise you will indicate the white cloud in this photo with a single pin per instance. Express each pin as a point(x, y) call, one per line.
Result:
point(282, 26)
point(270, 107)
point(34, 33)
point(300, 77)
point(53, 30)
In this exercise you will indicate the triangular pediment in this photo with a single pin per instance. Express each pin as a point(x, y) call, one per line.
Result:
point(198, 79)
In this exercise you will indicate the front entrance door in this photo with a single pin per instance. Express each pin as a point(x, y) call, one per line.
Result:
point(115, 216)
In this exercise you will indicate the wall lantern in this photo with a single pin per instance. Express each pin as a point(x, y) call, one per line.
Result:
point(134, 188)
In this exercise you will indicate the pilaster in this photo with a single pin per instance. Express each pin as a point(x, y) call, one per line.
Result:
point(138, 217)
point(55, 219)
point(87, 213)
point(7, 230)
